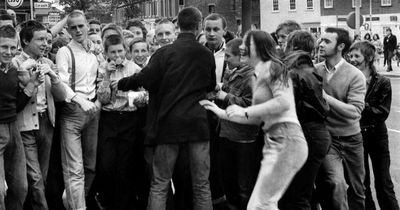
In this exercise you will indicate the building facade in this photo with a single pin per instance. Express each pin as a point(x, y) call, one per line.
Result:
point(230, 9)
point(305, 12)
point(377, 17)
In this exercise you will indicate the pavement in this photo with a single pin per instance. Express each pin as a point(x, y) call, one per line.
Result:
point(382, 69)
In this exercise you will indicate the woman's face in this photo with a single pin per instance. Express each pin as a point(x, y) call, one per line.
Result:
point(248, 54)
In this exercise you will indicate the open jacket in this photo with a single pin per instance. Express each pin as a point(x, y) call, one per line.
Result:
point(377, 101)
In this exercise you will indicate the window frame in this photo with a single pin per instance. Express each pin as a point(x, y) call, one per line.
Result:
point(275, 3)
point(312, 4)
point(290, 5)
point(384, 4)
point(326, 5)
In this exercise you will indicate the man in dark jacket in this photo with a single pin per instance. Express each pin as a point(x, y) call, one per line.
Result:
point(389, 47)
point(177, 77)
point(373, 128)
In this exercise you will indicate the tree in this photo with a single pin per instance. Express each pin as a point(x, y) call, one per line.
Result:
point(133, 8)
point(83, 5)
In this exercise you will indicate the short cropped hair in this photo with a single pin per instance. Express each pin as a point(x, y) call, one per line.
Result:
point(342, 37)
point(234, 46)
point(75, 13)
point(290, 25)
point(216, 16)
point(7, 31)
point(137, 40)
point(189, 19)
point(300, 40)
point(113, 40)
point(28, 28)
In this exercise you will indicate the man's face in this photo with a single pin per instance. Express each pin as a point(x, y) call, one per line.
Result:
point(140, 53)
point(358, 59)
point(96, 40)
point(8, 48)
point(282, 37)
point(214, 31)
point(231, 60)
point(78, 28)
point(388, 32)
point(95, 28)
point(137, 32)
point(6, 22)
point(115, 52)
point(327, 46)
point(165, 34)
point(49, 43)
point(38, 44)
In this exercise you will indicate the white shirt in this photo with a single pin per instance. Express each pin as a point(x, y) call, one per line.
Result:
point(86, 66)
point(219, 57)
point(330, 73)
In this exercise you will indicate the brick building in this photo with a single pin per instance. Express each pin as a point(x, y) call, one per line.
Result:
point(305, 12)
point(384, 13)
point(230, 9)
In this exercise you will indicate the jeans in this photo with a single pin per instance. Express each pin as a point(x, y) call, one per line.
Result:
point(341, 179)
point(163, 162)
point(299, 193)
point(78, 152)
point(12, 167)
point(37, 145)
point(239, 167)
point(376, 146)
point(284, 153)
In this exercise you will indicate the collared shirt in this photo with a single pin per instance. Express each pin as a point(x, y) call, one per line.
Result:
point(86, 66)
point(4, 67)
point(331, 72)
point(41, 102)
point(120, 100)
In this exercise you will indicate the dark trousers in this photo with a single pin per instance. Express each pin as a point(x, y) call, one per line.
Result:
point(37, 145)
point(388, 55)
point(340, 182)
point(240, 163)
point(299, 193)
point(12, 168)
point(120, 160)
point(376, 146)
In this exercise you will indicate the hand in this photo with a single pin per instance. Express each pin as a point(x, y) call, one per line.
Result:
point(235, 111)
point(86, 105)
point(212, 107)
point(46, 69)
point(36, 78)
point(28, 65)
point(221, 95)
point(111, 66)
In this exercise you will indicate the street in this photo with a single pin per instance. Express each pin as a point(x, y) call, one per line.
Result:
point(394, 137)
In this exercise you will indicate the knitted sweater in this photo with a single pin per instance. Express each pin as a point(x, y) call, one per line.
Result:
point(347, 87)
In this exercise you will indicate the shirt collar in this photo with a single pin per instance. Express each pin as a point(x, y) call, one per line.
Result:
point(336, 67)
point(88, 47)
point(4, 67)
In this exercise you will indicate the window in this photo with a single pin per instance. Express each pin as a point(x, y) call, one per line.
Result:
point(353, 3)
point(292, 5)
point(211, 8)
point(386, 2)
point(328, 3)
point(275, 5)
point(393, 18)
point(310, 4)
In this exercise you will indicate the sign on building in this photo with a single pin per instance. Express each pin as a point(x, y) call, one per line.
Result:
point(54, 17)
point(14, 3)
point(41, 5)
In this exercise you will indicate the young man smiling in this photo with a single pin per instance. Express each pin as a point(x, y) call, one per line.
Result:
point(37, 120)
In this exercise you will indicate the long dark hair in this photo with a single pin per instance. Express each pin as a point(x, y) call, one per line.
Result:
point(265, 48)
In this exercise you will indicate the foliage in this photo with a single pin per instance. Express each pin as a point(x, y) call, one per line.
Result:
point(83, 5)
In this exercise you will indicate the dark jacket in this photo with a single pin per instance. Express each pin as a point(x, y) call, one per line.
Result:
point(12, 98)
point(377, 101)
point(390, 44)
point(307, 85)
point(238, 86)
point(177, 77)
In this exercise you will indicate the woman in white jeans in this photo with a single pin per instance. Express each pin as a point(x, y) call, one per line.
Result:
point(285, 150)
